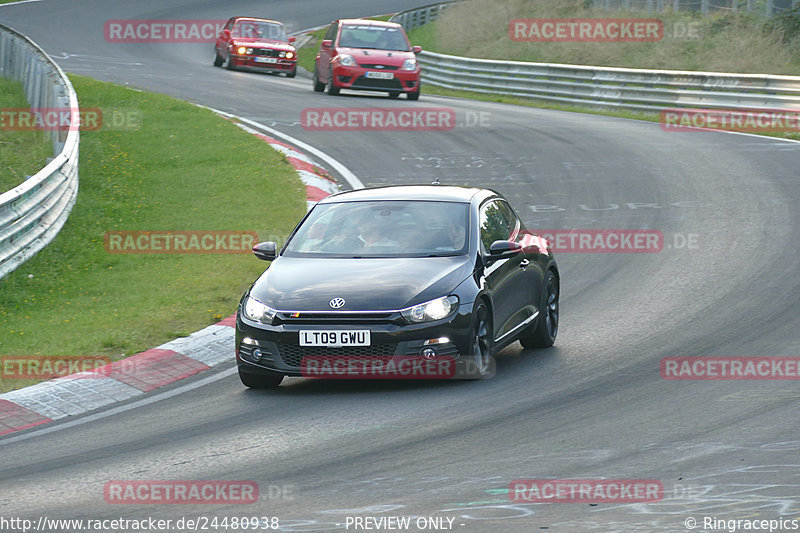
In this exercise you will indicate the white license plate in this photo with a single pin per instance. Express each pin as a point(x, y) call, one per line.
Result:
point(266, 60)
point(380, 75)
point(334, 338)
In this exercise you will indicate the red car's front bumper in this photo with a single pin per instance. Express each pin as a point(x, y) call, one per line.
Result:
point(257, 63)
point(405, 81)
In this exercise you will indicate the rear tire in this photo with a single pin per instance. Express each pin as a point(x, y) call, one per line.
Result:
point(543, 335)
point(318, 87)
point(260, 381)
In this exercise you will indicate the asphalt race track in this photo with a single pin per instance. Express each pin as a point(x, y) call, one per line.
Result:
point(593, 406)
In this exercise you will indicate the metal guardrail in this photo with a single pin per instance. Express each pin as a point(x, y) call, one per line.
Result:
point(604, 87)
point(33, 213)
point(414, 18)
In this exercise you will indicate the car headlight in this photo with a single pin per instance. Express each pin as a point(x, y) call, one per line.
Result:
point(241, 50)
point(409, 64)
point(258, 312)
point(434, 310)
point(347, 60)
point(289, 55)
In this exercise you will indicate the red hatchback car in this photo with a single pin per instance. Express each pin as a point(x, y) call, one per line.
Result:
point(367, 55)
point(255, 44)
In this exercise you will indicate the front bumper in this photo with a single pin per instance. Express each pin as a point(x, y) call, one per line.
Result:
point(390, 337)
point(250, 63)
point(403, 81)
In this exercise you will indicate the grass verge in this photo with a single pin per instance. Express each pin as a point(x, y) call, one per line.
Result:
point(767, 41)
point(739, 42)
point(22, 153)
point(173, 166)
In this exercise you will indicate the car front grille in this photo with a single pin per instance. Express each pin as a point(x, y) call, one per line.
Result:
point(266, 52)
point(371, 83)
point(378, 67)
point(337, 318)
point(293, 354)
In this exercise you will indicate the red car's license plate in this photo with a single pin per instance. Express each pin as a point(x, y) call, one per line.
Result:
point(380, 75)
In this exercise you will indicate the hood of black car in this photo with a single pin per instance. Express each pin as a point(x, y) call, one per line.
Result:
point(370, 284)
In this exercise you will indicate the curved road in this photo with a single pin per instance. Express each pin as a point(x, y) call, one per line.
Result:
point(594, 406)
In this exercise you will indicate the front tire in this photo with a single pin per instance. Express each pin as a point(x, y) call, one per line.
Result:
point(413, 96)
point(332, 89)
point(260, 381)
point(544, 334)
point(291, 73)
point(217, 58)
point(479, 360)
point(229, 63)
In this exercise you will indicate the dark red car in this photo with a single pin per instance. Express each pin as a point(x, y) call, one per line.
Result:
point(367, 55)
point(255, 44)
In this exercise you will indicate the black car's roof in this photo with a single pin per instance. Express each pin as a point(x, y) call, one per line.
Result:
point(441, 193)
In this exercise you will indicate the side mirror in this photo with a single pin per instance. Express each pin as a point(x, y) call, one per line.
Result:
point(226, 34)
point(327, 43)
point(504, 250)
point(292, 39)
point(266, 251)
point(416, 49)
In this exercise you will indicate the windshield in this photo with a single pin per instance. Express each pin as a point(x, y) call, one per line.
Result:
point(253, 29)
point(383, 229)
point(374, 37)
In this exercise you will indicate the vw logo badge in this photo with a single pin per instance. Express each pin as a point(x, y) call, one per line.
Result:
point(336, 303)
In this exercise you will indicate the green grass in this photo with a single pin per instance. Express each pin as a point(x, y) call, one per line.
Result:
point(491, 41)
point(723, 42)
point(183, 168)
point(22, 153)
point(306, 55)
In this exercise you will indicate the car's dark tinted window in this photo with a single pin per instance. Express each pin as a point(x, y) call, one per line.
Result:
point(396, 228)
point(373, 37)
point(497, 223)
